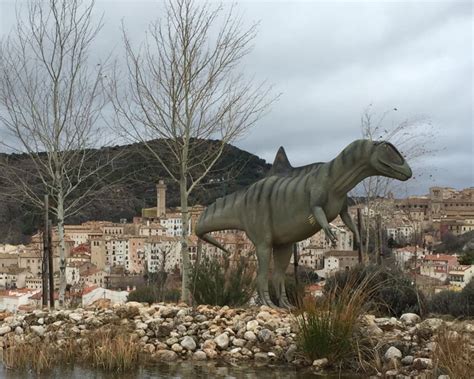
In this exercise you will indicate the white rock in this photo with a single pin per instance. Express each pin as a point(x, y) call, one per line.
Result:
point(252, 325)
point(19, 330)
point(41, 321)
point(200, 355)
point(38, 329)
point(141, 325)
point(5, 330)
point(392, 353)
point(319, 364)
point(177, 348)
point(134, 304)
point(222, 341)
point(75, 317)
point(410, 318)
point(182, 313)
point(431, 346)
point(264, 316)
point(239, 342)
point(188, 343)
point(250, 336)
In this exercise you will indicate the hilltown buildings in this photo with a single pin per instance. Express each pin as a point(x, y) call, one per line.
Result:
point(102, 253)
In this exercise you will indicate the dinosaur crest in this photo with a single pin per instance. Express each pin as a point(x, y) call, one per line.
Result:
point(281, 165)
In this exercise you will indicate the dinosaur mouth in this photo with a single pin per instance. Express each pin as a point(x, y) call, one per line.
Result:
point(402, 172)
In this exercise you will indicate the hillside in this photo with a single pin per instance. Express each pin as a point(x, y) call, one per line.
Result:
point(132, 187)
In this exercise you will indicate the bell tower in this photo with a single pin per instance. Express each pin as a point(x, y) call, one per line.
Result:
point(161, 199)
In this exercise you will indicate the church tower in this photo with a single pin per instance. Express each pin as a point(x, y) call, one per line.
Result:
point(160, 199)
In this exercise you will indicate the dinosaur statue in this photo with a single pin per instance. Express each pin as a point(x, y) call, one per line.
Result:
point(292, 204)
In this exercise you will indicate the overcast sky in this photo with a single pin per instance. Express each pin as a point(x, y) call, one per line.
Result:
point(330, 60)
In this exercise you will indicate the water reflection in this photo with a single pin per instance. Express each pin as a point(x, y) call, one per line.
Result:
point(182, 370)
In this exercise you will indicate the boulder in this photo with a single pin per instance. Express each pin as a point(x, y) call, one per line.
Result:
point(250, 336)
point(319, 364)
point(75, 317)
point(252, 325)
point(410, 318)
point(392, 353)
point(166, 355)
point(200, 355)
point(38, 329)
point(188, 343)
point(408, 360)
point(222, 341)
point(4, 330)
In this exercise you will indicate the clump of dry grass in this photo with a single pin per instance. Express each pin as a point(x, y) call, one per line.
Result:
point(36, 355)
point(326, 328)
point(453, 354)
point(104, 349)
point(111, 351)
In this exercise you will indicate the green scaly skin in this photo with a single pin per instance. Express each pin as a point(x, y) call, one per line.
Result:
point(292, 204)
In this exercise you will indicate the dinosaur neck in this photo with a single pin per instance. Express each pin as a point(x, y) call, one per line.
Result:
point(349, 168)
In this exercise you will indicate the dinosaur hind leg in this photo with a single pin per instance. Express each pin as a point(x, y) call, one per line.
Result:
point(281, 259)
point(263, 256)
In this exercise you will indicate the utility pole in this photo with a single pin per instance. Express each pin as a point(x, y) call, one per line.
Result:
point(45, 261)
point(359, 228)
point(50, 265)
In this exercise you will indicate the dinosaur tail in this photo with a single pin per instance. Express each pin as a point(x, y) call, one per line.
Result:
point(220, 215)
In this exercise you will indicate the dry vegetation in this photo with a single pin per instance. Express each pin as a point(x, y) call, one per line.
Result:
point(103, 349)
point(453, 354)
point(326, 328)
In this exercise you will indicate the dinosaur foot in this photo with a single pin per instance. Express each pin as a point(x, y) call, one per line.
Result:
point(284, 303)
point(265, 298)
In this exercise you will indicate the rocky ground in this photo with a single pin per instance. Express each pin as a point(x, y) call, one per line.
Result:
point(169, 332)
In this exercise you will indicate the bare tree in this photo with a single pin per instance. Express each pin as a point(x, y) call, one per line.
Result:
point(51, 99)
point(414, 138)
point(184, 89)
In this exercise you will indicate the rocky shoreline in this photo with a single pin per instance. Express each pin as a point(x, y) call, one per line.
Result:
point(170, 332)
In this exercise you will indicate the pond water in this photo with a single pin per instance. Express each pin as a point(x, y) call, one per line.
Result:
point(182, 370)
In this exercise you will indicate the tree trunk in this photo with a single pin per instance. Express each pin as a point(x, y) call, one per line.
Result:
point(62, 253)
point(186, 264)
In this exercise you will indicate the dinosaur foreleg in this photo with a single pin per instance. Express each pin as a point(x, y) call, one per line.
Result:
point(281, 259)
point(322, 220)
point(263, 257)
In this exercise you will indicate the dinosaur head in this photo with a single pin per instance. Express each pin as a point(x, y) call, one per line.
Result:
point(388, 161)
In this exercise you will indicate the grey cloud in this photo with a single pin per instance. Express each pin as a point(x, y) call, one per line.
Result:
point(331, 60)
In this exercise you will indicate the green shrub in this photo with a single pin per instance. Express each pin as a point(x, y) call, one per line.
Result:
point(145, 294)
point(457, 304)
point(218, 281)
point(394, 293)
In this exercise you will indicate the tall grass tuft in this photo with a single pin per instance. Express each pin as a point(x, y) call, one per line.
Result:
point(453, 354)
point(393, 294)
point(35, 355)
point(326, 328)
point(111, 351)
point(105, 349)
